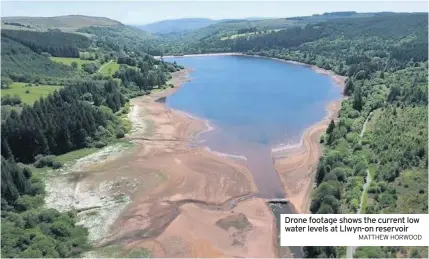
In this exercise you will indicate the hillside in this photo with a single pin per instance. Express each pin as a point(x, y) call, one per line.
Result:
point(63, 95)
point(385, 57)
point(176, 25)
point(66, 95)
point(66, 23)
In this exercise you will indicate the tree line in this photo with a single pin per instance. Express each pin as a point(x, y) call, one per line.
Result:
point(28, 229)
point(385, 59)
point(56, 43)
point(66, 120)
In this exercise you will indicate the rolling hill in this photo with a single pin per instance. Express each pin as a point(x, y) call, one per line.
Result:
point(176, 25)
point(66, 22)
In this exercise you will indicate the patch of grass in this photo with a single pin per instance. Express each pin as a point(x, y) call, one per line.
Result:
point(110, 68)
point(113, 251)
point(76, 154)
point(364, 202)
point(411, 189)
point(69, 61)
point(29, 94)
point(372, 121)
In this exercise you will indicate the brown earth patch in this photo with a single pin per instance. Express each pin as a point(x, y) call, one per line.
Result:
point(176, 193)
point(197, 232)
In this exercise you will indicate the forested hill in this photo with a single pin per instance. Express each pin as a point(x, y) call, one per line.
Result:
point(385, 57)
point(62, 92)
point(177, 25)
point(66, 22)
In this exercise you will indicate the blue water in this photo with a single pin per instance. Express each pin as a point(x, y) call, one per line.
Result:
point(254, 104)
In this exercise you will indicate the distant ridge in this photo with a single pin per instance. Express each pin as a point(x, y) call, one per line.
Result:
point(187, 24)
point(176, 25)
point(66, 22)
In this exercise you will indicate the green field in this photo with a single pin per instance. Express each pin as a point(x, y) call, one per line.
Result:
point(68, 61)
point(35, 92)
point(109, 68)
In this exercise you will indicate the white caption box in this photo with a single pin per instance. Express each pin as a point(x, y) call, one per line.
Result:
point(352, 230)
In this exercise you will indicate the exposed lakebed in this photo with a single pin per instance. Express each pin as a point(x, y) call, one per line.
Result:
point(254, 105)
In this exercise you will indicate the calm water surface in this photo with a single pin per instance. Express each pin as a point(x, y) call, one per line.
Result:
point(255, 104)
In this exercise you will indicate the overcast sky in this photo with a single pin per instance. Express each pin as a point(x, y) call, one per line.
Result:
point(142, 12)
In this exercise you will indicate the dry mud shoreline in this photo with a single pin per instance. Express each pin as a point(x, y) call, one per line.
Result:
point(296, 164)
point(176, 200)
point(164, 195)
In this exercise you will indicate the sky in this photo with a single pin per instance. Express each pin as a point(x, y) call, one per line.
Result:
point(143, 12)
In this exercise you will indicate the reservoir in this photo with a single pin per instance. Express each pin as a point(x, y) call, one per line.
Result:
point(254, 105)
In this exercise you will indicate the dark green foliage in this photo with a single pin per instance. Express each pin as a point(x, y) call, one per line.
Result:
point(6, 82)
point(331, 127)
point(21, 64)
point(349, 87)
point(44, 161)
point(28, 229)
point(357, 99)
point(14, 182)
point(61, 122)
point(58, 44)
point(127, 60)
point(400, 144)
point(122, 37)
point(10, 100)
point(385, 58)
point(90, 68)
point(151, 72)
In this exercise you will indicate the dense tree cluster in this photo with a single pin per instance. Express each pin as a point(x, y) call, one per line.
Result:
point(247, 30)
point(58, 44)
point(385, 59)
point(123, 38)
point(28, 229)
point(85, 113)
point(21, 64)
point(69, 119)
point(127, 60)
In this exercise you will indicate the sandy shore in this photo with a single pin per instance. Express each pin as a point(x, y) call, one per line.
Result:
point(181, 193)
point(296, 164)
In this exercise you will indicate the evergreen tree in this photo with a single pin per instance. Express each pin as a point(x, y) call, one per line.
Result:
point(331, 127)
point(357, 99)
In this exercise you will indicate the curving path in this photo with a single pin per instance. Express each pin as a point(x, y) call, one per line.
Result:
point(352, 249)
point(99, 70)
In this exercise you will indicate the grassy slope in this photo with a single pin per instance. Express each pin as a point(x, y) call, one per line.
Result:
point(35, 92)
point(17, 58)
point(110, 68)
point(67, 22)
point(69, 61)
